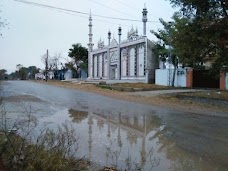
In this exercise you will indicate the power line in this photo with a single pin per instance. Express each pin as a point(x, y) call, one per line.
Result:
point(124, 25)
point(129, 6)
point(69, 13)
point(108, 7)
point(78, 12)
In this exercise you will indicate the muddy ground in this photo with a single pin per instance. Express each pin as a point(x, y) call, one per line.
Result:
point(169, 100)
point(180, 139)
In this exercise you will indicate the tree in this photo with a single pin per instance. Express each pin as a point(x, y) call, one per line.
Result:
point(202, 31)
point(46, 60)
point(196, 8)
point(22, 72)
point(79, 55)
point(3, 74)
point(52, 63)
point(3, 23)
point(55, 63)
point(32, 70)
point(164, 46)
point(12, 76)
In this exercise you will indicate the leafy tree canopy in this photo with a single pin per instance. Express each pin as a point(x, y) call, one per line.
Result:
point(24, 73)
point(3, 74)
point(79, 54)
point(199, 32)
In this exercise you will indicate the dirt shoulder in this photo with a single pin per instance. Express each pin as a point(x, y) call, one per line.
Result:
point(170, 101)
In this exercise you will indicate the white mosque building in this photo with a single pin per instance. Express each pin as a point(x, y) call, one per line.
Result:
point(130, 60)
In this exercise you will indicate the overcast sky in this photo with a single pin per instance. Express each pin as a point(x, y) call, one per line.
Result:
point(33, 30)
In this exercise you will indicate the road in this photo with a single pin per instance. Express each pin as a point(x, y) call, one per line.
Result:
point(123, 130)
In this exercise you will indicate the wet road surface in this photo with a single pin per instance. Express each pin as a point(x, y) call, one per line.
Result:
point(126, 134)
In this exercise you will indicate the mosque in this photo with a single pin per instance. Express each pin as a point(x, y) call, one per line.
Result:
point(130, 60)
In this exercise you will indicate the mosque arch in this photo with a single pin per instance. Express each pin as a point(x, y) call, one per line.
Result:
point(124, 62)
point(141, 61)
point(132, 62)
point(95, 67)
point(100, 58)
point(105, 65)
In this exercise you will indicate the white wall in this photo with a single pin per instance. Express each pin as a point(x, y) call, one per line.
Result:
point(226, 81)
point(161, 77)
point(180, 78)
point(141, 61)
point(151, 62)
point(39, 76)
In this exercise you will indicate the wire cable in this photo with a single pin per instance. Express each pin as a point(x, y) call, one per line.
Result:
point(78, 12)
point(108, 7)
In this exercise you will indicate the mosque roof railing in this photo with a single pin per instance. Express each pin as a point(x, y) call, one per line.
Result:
point(132, 39)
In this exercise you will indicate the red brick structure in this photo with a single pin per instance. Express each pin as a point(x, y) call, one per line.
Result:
point(222, 81)
point(189, 79)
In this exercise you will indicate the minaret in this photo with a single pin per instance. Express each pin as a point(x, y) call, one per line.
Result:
point(109, 37)
point(120, 33)
point(90, 48)
point(144, 20)
point(90, 44)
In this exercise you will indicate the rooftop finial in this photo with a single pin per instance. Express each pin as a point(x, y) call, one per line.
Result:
point(145, 5)
point(90, 15)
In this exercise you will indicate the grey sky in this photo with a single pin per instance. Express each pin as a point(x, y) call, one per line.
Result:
point(33, 30)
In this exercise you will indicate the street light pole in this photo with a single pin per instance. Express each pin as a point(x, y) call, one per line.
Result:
point(46, 66)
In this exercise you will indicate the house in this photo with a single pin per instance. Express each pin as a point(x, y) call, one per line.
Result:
point(39, 76)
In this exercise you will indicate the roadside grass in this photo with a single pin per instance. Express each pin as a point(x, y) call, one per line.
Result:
point(222, 95)
point(141, 85)
point(116, 86)
point(130, 87)
point(51, 150)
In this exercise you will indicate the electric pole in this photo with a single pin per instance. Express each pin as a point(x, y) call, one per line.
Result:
point(46, 67)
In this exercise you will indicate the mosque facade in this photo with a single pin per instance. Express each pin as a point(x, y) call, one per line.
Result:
point(130, 60)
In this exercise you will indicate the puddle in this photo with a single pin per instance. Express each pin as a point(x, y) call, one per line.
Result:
point(140, 142)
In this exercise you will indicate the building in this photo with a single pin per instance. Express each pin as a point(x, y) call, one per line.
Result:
point(41, 75)
point(130, 60)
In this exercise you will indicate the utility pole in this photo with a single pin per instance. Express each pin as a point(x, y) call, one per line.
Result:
point(169, 59)
point(46, 66)
point(119, 51)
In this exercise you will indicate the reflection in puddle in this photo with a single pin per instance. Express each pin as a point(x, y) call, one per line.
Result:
point(77, 116)
point(132, 142)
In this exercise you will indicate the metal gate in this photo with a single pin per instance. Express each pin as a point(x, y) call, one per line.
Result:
point(203, 79)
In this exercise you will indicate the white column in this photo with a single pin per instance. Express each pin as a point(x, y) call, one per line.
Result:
point(108, 63)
